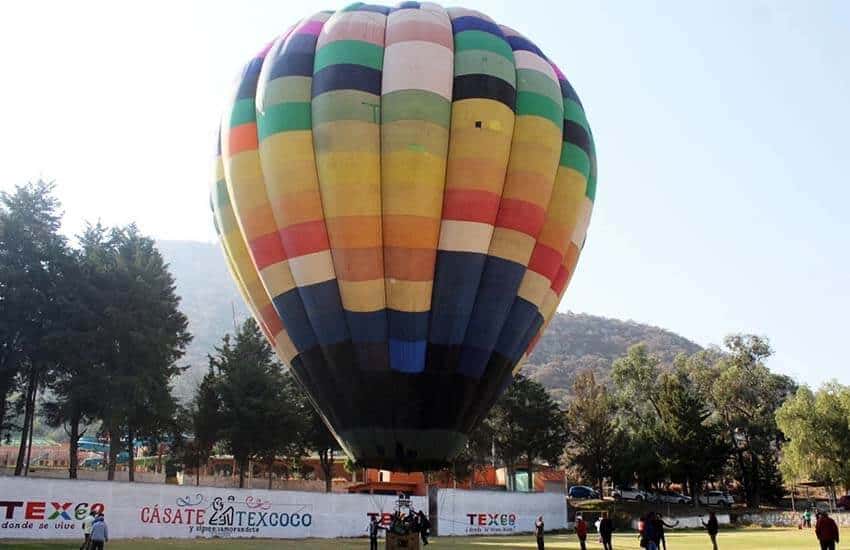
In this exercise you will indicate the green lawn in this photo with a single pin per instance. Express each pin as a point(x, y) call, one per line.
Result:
point(745, 539)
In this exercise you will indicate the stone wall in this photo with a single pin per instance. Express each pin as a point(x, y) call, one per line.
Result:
point(786, 519)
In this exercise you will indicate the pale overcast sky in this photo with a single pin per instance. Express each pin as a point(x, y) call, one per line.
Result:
point(721, 130)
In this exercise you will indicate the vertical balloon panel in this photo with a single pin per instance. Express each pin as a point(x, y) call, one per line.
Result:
point(346, 109)
point(484, 99)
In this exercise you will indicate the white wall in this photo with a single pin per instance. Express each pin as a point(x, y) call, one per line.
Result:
point(42, 508)
point(497, 513)
point(689, 522)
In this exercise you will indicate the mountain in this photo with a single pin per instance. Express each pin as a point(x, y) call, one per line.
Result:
point(573, 343)
point(208, 298)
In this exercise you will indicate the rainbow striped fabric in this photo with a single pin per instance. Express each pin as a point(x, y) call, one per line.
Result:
point(402, 195)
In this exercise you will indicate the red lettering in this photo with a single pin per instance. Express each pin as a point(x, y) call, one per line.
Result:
point(34, 510)
point(145, 514)
point(97, 508)
point(199, 517)
point(482, 519)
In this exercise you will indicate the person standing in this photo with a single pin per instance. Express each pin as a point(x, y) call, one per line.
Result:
point(711, 528)
point(827, 532)
point(538, 532)
point(649, 538)
point(581, 532)
point(659, 524)
point(606, 531)
point(374, 528)
point(87, 523)
point(99, 533)
point(807, 518)
point(424, 527)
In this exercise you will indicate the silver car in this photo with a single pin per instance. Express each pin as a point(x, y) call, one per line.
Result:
point(628, 493)
point(717, 498)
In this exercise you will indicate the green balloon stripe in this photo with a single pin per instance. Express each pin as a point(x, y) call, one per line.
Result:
point(529, 103)
point(480, 40)
point(284, 117)
point(353, 52)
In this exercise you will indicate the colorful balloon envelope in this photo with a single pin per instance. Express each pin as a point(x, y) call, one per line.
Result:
point(402, 195)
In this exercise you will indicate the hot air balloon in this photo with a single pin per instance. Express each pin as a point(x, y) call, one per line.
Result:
point(402, 195)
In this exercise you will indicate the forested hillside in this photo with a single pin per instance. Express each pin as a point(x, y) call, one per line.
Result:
point(573, 342)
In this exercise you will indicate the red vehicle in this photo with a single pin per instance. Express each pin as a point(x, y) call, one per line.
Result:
point(843, 503)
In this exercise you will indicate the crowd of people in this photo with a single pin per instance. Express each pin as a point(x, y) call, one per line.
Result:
point(401, 524)
point(650, 529)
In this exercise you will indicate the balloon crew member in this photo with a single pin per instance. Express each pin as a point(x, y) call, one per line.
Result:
point(424, 526)
point(538, 532)
point(659, 529)
point(649, 537)
point(826, 531)
point(606, 531)
point(374, 529)
point(99, 533)
point(87, 523)
point(581, 532)
point(711, 528)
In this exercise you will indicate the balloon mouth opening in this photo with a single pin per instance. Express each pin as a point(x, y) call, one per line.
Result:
point(404, 450)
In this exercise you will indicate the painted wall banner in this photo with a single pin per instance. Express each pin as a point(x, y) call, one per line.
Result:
point(48, 508)
point(497, 513)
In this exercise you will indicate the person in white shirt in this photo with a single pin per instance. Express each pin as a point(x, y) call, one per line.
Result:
point(87, 523)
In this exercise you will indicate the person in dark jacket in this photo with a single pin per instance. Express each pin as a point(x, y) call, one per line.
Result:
point(711, 528)
point(99, 533)
point(538, 532)
point(659, 524)
point(374, 529)
point(649, 537)
point(826, 531)
point(581, 532)
point(606, 531)
point(424, 526)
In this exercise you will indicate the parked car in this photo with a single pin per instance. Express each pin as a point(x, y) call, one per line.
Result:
point(582, 491)
point(672, 497)
point(629, 493)
point(717, 498)
point(843, 503)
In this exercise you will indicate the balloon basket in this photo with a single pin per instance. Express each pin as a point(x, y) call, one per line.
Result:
point(410, 541)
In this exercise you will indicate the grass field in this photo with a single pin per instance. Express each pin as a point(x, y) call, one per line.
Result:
point(744, 539)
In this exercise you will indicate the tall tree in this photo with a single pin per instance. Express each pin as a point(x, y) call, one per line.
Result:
point(33, 261)
point(148, 334)
point(319, 439)
point(689, 446)
point(254, 395)
point(205, 419)
point(817, 426)
point(527, 426)
point(76, 387)
point(592, 427)
point(286, 410)
point(746, 395)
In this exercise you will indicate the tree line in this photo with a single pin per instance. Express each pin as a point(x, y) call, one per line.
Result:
point(94, 329)
point(717, 416)
point(91, 335)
